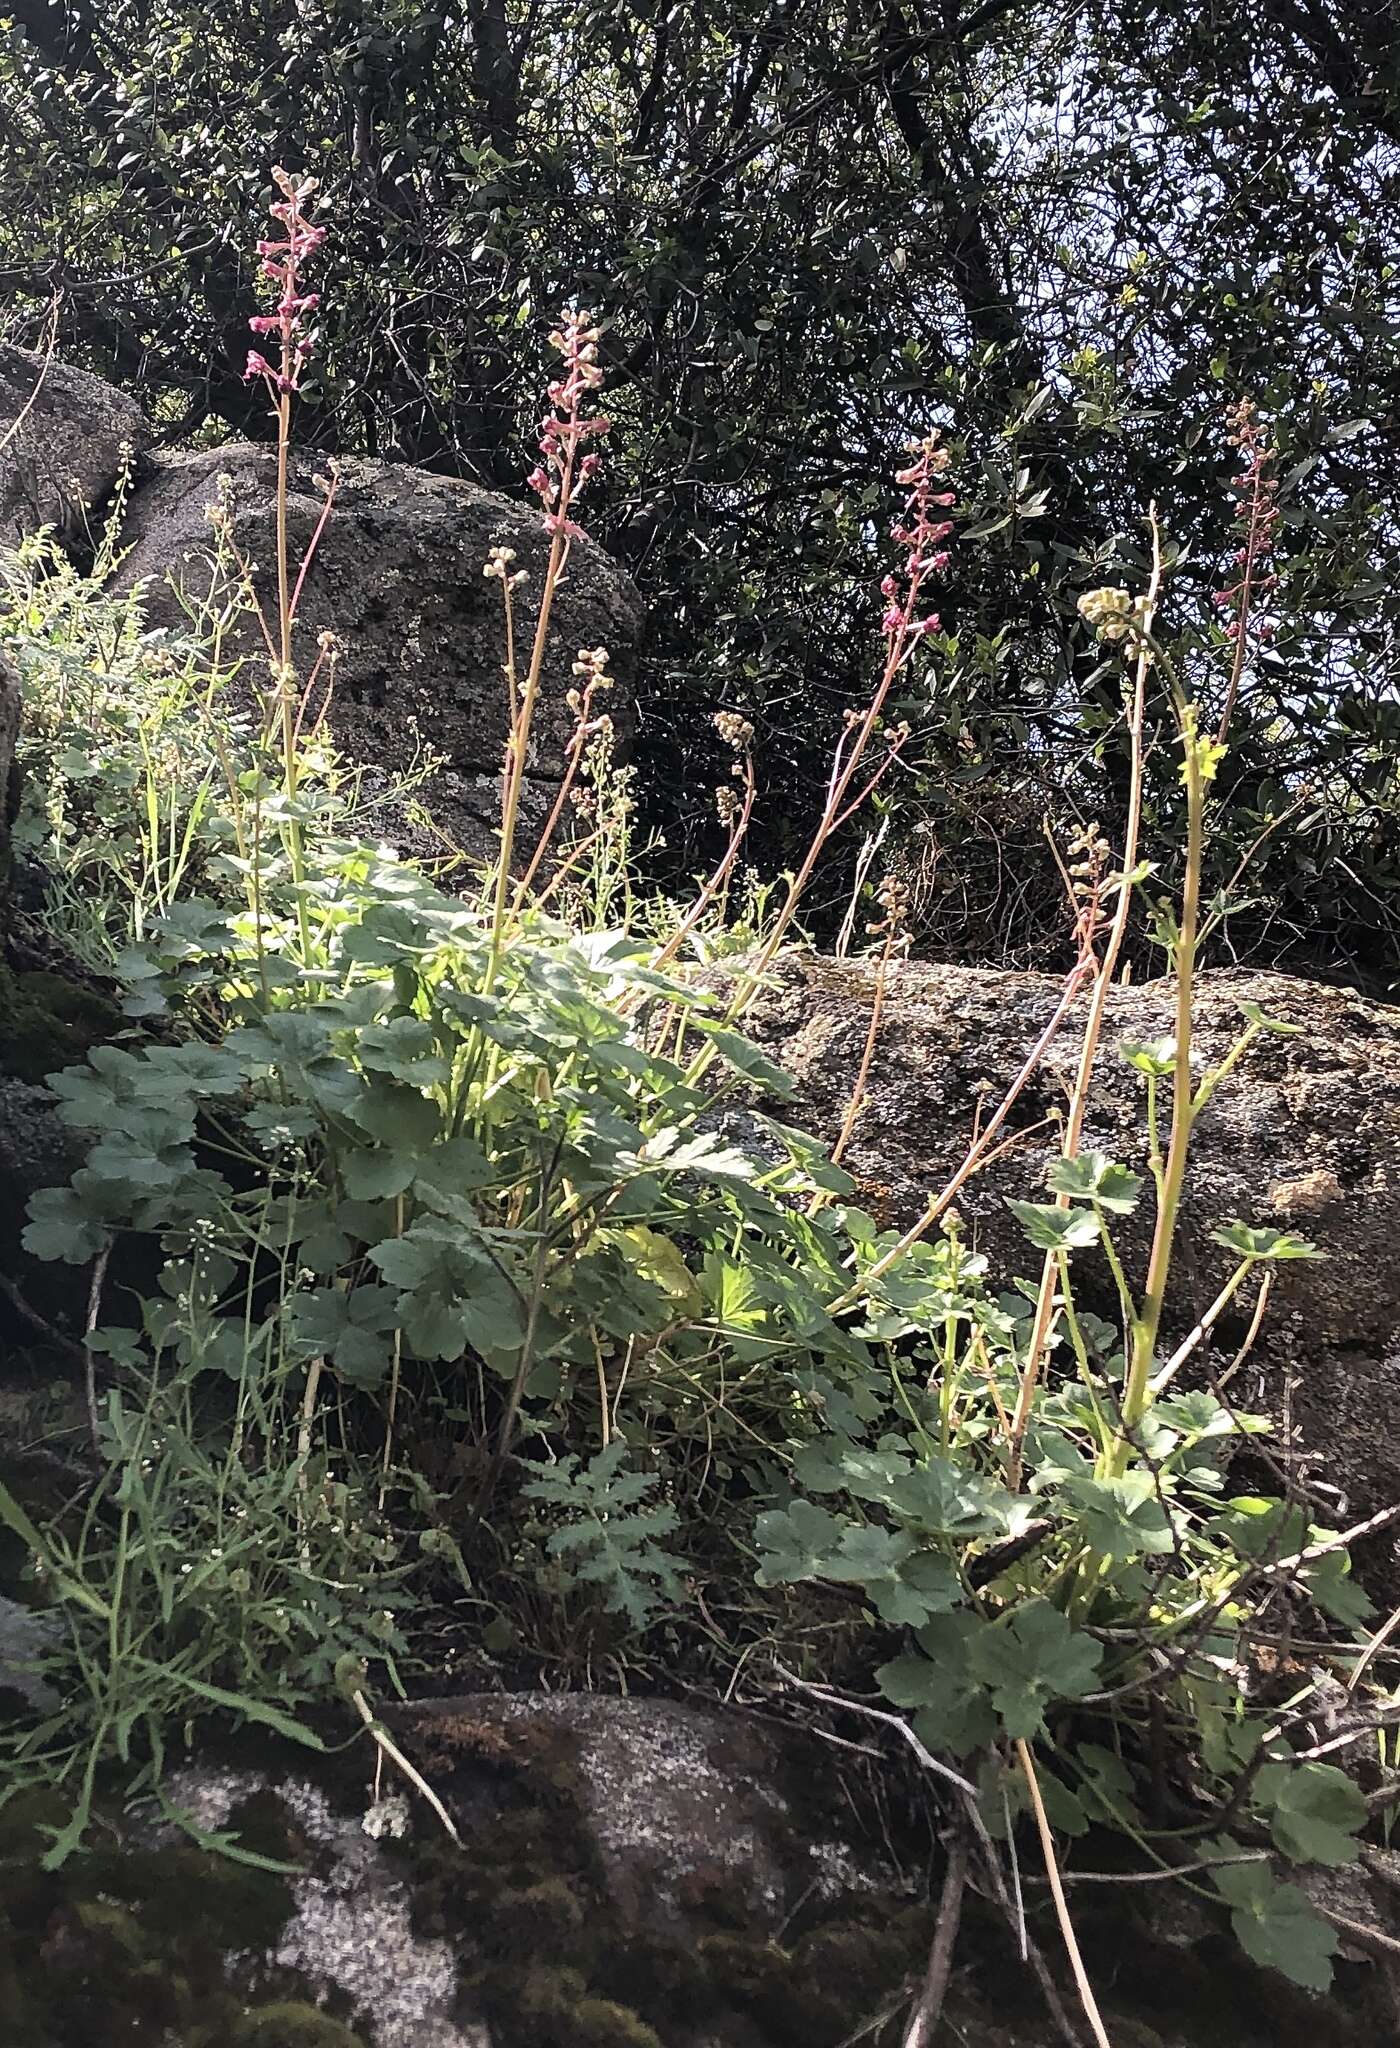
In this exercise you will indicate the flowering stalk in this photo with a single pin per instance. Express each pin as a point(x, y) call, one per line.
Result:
point(1117, 617)
point(327, 655)
point(282, 260)
point(283, 257)
point(565, 467)
point(921, 532)
point(893, 898)
point(735, 812)
point(591, 668)
point(1201, 757)
point(1256, 517)
point(1114, 615)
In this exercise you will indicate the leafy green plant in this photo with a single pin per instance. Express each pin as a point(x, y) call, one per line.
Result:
point(392, 1160)
point(606, 1537)
point(178, 1592)
point(1065, 1549)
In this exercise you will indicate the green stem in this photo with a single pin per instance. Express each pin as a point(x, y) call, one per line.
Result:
point(519, 741)
point(1154, 1135)
point(114, 1657)
point(1079, 1347)
point(295, 849)
point(1115, 1266)
point(1137, 1391)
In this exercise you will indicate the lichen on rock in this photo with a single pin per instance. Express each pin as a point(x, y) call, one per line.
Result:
point(64, 438)
point(397, 581)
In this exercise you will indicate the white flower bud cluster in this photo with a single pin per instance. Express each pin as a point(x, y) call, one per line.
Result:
point(735, 731)
point(1089, 855)
point(591, 668)
point(497, 569)
point(1112, 611)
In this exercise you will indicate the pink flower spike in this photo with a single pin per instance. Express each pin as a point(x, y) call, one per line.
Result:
point(917, 534)
point(281, 257)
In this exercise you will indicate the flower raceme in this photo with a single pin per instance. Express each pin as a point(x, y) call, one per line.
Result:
point(1256, 518)
point(563, 470)
point(283, 259)
point(921, 533)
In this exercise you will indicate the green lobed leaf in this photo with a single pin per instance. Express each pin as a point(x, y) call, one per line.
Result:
point(1314, 1811)
point(942, 1498)
point(1093, 1177)
point(1029, 1659)
point(952, 1711)
point(1052, 1229)
point(1156, 1056)
point(794, 1543)
point(904, 1583)
point(1261, 1019)
point(1260, 1242)
point(60, 1226)
point(1122, 1519)
point(1274, 1922)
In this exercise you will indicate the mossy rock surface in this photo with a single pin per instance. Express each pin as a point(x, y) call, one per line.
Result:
point(130, 1943)
point(292, 2024)
point(48, 1021)
point(557, 1955)
point(605, 1894)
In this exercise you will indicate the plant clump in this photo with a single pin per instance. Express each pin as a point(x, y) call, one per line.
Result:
point(473, 1316)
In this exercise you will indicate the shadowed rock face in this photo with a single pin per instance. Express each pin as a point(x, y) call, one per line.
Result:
point(397, 579)
point(679, 1803)
point(71, 434)
point(627, 1873)
point(1305, 1135)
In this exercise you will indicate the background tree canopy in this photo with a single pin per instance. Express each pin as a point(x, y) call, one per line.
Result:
point(814, 227)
